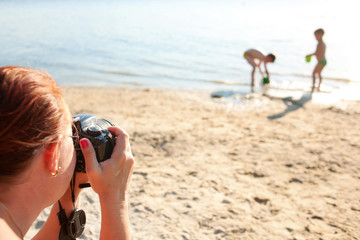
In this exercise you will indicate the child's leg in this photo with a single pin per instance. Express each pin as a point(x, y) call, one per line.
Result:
point(320, 78)
point(317, 70)
point(253, 64)
point(313, 76)
point(253, 77)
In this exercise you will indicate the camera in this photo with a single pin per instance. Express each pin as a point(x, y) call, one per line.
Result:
point(103, 141)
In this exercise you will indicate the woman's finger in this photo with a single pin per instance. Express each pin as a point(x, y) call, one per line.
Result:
point(88, 151)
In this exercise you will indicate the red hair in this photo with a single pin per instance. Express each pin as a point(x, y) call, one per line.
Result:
point(32, 110)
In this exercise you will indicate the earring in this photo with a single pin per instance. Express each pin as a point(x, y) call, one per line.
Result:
point(54, 174)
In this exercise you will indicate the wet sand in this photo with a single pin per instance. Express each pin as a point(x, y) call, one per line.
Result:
point(206, 168)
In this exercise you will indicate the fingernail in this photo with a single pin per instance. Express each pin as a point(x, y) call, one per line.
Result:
point(84, 143)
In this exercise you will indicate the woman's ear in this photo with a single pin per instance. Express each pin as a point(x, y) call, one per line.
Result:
point(52, 155)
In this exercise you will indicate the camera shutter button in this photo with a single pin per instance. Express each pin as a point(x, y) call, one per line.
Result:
point(93, 131)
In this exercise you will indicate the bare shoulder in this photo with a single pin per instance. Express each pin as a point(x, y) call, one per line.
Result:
point(6, 232)
point(321, 44)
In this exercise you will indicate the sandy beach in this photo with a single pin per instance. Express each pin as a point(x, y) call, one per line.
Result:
point(270, 168)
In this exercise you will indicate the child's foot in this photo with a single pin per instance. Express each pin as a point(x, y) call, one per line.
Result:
point(313, 88)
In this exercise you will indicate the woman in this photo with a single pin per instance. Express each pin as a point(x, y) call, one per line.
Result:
point(37, 160)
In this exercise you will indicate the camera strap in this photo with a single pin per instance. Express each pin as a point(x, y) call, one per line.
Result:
point(73, 227)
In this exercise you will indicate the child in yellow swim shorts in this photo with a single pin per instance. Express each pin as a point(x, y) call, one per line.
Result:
point(255, 57)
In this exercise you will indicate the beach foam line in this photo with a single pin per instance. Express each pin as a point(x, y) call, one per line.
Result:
point(223, 82)
point(300, 75)
point(299, 98)
point(320, 97)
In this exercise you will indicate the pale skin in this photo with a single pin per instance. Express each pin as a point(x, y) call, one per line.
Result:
point(255, 58)
point(37, 189)
point(320, 56)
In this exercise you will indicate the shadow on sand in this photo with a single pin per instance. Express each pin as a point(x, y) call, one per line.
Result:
point(292, 105)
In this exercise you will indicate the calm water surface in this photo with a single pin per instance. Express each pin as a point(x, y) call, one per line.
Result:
point(179, 44)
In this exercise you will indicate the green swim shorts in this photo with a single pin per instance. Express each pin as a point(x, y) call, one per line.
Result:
point(323, 62)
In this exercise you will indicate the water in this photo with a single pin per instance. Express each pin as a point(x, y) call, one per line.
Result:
point(180, 44)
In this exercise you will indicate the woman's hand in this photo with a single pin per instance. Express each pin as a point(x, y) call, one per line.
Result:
point(111, 178)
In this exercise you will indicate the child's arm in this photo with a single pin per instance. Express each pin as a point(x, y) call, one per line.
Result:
point(266, 71)
point(309, 55)
point(259, 66)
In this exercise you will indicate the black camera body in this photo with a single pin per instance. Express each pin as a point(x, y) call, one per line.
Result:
point(103, 141)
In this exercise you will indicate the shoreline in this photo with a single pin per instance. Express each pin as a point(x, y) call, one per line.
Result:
point(241, 96)
point(207, 168)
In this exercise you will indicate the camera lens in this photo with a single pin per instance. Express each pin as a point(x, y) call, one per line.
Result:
point(103, 123)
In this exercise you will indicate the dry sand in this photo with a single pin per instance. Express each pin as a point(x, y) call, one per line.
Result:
point(208, 169)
